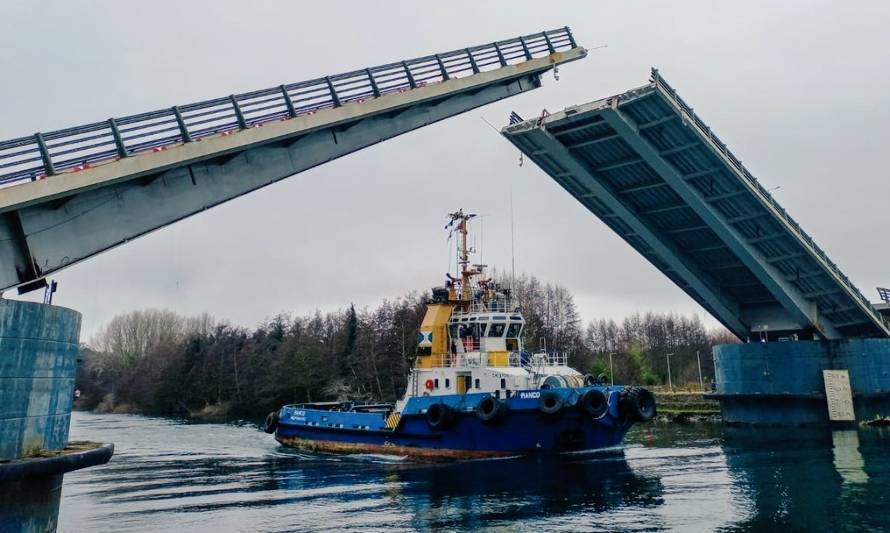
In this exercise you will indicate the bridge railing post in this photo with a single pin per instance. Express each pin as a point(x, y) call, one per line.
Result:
point(374, 89)
point(570, 36)
point(183, 128)
point(410, 77)
point(500, 52)
point(333, 90)
point(442, 68)
point(291, 110)
point(238, 114)
point(528, 54)
point(550, 46)
point(45, 155)
point(118, 140)
point(473, 64)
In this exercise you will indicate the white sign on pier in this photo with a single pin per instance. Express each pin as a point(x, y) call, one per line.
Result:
point(839, 395)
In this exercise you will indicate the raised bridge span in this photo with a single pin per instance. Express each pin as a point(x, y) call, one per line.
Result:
point(654, 172)
point(69, 194)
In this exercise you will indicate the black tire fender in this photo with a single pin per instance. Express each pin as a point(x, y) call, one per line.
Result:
point(637, 403)
point(594, 403)
point(271, 422)
point(550, 403)
point(489, 409)
point(439, 416)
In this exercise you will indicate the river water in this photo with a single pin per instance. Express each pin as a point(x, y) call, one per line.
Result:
point(168, 475)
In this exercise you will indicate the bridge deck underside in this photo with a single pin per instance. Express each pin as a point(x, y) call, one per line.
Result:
point(656, 175)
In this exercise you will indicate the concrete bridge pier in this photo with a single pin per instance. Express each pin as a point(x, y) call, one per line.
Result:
point(781, 383)
point(39, 345)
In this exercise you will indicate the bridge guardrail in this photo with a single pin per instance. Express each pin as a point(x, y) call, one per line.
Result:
point(46, 154)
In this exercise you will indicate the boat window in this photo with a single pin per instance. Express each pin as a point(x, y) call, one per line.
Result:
point(453, 331)
point(447, 383)
point(500, 317)
point(480, 332)
point(497, 330)
point(503, 383)
point(513, 330)
point(473, 319)
point(477, 383)
point(437, 383)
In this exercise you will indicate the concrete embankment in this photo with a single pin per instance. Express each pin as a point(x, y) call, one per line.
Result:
point(686, 407)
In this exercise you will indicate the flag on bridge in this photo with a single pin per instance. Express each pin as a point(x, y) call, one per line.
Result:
point(515, 118)
point(884, 294)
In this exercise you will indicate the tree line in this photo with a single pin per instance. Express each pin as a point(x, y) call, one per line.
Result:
point(156, 361)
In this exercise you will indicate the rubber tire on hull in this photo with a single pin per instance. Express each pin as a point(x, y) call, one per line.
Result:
point(271, 422)
point(550, 403)
point(439, 416)
point(490, 410)
point(595, 403)
point(637, 403)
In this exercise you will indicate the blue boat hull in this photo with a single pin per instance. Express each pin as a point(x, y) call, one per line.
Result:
point(523, 429)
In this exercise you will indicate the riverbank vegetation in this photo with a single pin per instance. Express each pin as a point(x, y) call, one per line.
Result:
point(158, 362)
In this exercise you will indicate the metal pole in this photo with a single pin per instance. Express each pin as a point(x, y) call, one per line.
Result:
point(670, 383)
point(45, 155)
point(239, 116)
point(291, 110)
point(408, 74)
point(611, 371)
point(701, 381)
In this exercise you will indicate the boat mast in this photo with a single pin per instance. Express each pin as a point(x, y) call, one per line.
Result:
point(463, 254)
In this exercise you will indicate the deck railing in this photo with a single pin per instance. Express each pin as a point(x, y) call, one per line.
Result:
point(46, 154)
point(531, 362)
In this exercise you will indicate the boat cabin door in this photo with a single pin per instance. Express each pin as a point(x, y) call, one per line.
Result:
point(464, 381)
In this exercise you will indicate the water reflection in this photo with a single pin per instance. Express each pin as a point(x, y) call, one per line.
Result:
point(476, 493)
point(848, 460)
point(169, 476)
point(809, 479)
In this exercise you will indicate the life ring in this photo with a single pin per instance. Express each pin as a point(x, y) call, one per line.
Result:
point(429, 384)
point(637, 403)
point(271, 422)
point(550, 403)
point(490, 410)
point(439, 416)
point(594, 403)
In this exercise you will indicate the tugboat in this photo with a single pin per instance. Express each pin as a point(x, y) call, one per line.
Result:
point(473, 392)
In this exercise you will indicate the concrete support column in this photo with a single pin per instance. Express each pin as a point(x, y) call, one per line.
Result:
point(38, 361)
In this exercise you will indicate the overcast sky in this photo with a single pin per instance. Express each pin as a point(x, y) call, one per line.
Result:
point(798, 90)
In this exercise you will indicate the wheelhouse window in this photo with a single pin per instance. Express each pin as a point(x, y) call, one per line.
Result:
point(503, 383)
point(496, 330)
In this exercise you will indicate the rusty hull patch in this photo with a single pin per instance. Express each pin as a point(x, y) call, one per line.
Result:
point(428, 454)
